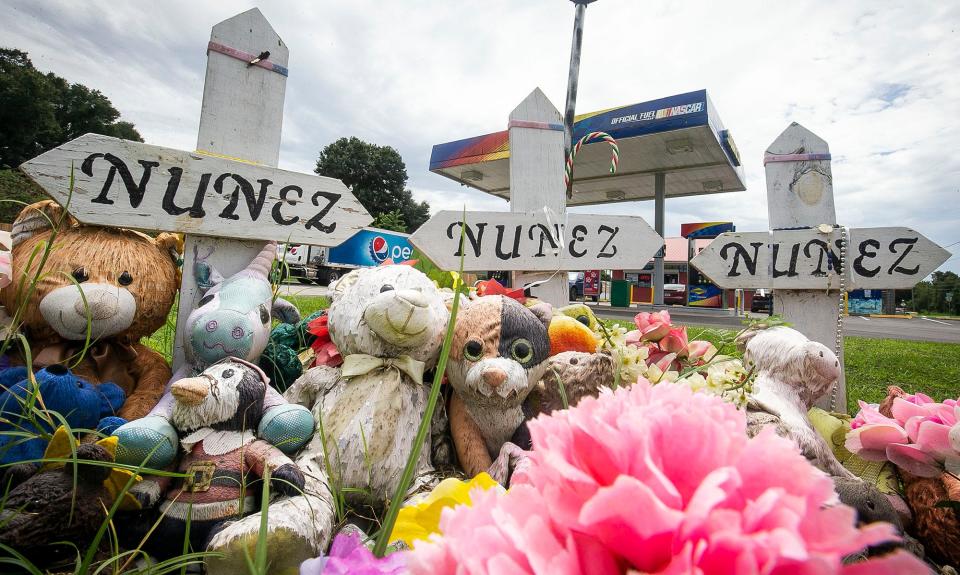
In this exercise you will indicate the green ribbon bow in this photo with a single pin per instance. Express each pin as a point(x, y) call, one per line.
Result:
point(360, 363)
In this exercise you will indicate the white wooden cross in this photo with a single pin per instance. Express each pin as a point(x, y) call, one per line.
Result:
point(537, 239)
point(799, 257)
point(228, 196)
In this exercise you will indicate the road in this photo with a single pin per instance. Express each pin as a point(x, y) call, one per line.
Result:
point(302, 290)
point(916, 329)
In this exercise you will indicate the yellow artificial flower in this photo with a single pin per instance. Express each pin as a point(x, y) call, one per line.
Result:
point(62, 445)
point(418, 521)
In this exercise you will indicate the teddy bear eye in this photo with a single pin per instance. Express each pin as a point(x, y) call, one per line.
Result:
point(386, 287)
point(125, 279)
point(584, 320)
point(205, 300)
point(473, 350)
point(521, 350)
point(227, 373)
point(80, 275)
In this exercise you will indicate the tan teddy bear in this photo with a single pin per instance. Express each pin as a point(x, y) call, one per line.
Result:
point(112, 285)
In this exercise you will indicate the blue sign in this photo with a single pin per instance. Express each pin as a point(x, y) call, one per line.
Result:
point(371, 248)
point(672, 113)
point(865, 302)
point(704, 295)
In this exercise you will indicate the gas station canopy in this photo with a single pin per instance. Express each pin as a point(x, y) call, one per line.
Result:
point(680, 135)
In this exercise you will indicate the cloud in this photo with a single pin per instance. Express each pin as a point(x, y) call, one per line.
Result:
point(876, 80)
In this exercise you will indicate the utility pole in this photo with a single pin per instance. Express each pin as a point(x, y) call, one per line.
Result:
point(572, 80)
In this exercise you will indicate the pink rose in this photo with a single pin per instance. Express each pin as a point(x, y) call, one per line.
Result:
point(699, 349)
point(675, 341)
point(652, 326)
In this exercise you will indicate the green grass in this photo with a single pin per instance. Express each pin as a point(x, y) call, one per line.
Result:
point(873, 364)
point(308, 304)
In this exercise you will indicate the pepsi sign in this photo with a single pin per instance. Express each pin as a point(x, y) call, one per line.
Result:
point(371, 247)
point(379, 249)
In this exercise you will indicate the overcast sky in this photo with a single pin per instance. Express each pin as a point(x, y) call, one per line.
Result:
point(879, 81)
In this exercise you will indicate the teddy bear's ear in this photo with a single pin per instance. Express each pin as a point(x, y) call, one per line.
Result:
point(38, 218)
point(340, 287)
point(744, 338)
point(170, 244)
point(543, 311)
point(448, 296)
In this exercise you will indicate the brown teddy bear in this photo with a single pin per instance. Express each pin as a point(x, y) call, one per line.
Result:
point(113, 285)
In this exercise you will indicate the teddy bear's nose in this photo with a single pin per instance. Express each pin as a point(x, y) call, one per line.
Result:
point(100, 305)
point(413, 297)
point(494, 377)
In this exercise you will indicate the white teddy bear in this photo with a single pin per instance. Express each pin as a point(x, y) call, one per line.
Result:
point(388, 325)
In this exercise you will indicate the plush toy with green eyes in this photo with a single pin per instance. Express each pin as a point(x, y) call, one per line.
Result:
point(499, 352)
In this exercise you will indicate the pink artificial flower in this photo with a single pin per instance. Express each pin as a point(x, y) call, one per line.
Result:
point(869, 413)
point(913, 460)
point(917, 438)
point(652, 326)
point(700, 349)
point(675, 341)
point(657, 479)
point(348, 556)
point(662, 359)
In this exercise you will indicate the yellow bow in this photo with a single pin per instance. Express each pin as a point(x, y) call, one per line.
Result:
point(360, 363)
point(63, 444)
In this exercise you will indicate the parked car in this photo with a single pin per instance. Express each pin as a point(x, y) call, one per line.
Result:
point(762, 301)
point(675, 294)
point(575, 281)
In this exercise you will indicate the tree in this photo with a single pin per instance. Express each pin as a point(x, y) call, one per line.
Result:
point(377, 176)
point(415, 213)
point(939, 295)
point(16, 190)
point(390, 221)
point(41, 111)
point(28, 123)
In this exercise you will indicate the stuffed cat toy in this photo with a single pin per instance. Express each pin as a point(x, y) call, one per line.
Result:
point(216, 413)
point(499, 353)
point(233, 319)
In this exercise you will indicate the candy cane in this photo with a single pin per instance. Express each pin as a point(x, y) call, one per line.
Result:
point(614, 158)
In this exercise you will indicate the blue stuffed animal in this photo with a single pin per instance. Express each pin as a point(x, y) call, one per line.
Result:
point(82, 404)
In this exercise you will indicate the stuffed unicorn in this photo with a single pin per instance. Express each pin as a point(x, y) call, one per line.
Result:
point(233, 320)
